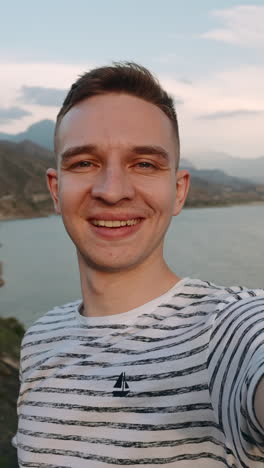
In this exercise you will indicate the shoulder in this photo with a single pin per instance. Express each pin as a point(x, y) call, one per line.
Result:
point(57, 318)
point(49, 332)
point(224, 294)
point(214, 299)
point(237, 321)
point(57, 313)
point(246, 298)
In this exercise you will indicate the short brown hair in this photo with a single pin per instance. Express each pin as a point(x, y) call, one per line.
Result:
point(121, 77)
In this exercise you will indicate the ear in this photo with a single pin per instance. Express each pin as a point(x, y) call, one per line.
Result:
point(182, 189)
point(53, 186)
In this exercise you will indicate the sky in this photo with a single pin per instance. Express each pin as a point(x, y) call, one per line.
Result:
point(208, 55)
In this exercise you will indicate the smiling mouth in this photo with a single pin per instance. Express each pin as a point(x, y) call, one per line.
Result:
point(115, 223)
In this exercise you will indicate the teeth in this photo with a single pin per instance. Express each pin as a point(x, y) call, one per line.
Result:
point(108, 223)
point(129, 222)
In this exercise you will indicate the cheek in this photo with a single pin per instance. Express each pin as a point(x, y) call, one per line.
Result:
point(160, 197)
point(159, 188)
point(165, 196)
point(71, 191)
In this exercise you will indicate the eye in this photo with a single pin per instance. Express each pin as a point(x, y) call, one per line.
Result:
point(83, 164)
point(146, 165)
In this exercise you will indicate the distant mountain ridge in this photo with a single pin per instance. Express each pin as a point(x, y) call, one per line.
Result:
point(40, 132)
point(250, 168)
point(24, 193)
point(247, 168)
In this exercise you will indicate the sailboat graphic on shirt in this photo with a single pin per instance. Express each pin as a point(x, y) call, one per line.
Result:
point(121, 386)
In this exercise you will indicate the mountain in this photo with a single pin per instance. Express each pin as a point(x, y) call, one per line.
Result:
point(186, 164)
point(22, 166)
point(246, 168)
point(23, 190)
point(216, 188)
point(216, 176)
point(24, 194)
point(39, 132)
point(249, 168)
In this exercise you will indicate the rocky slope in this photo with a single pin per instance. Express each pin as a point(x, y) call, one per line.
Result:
point(216, 188)
point(23, 190)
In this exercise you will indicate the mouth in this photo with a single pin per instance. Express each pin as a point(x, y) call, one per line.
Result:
point(115, 223)
point(115, 228)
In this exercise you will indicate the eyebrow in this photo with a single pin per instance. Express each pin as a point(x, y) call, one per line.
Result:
point(75, 150)
point(151, 150)
point(93, 149)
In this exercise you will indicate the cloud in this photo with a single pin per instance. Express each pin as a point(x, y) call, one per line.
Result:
point(230, 114)
point(42, 96)
point(15, 76)
point(239, 89)
point(242, 25)
point(12, 113)
point(187, 81)
point(206, 120)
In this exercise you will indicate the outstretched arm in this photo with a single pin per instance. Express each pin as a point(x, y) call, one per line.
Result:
point(259, 402)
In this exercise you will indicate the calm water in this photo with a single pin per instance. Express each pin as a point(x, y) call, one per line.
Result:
point(224, 245)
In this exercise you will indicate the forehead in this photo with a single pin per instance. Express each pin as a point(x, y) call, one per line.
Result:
point(117, 120)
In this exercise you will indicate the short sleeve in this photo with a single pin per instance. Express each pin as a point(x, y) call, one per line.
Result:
point(235, 366)
point(253, 377)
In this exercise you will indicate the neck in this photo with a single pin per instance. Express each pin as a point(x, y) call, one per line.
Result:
point(106, 293)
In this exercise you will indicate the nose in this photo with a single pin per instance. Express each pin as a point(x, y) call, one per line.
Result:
point(113, 185)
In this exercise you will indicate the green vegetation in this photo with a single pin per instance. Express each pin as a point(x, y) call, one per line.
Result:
point(11, 333)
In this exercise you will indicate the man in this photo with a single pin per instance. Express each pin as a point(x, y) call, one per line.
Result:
point(148, 368)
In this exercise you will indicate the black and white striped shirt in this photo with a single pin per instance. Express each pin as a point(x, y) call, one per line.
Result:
point(170, 383)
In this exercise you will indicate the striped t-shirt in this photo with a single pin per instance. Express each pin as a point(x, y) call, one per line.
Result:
point(170, 383)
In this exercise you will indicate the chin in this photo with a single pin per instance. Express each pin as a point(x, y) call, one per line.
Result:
point(112, 266)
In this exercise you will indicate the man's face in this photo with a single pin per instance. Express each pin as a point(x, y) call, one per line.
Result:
point(117, 159)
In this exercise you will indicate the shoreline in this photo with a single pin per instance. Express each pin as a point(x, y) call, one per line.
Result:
point(195, 206)
point(17, 218)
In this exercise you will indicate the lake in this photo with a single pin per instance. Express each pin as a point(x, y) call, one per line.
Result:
point(223, 245)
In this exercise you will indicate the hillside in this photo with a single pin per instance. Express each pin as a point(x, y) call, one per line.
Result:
point(40, 133)
point(204, 192)
point(24, 194)
point(247, 168)
point(23, 191)
point(215, 187)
